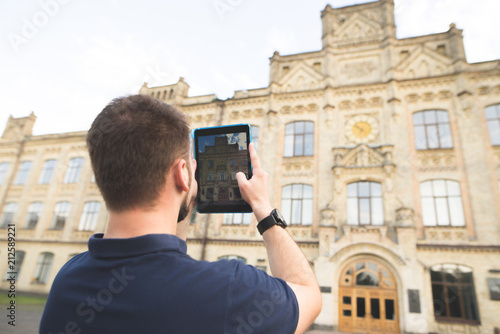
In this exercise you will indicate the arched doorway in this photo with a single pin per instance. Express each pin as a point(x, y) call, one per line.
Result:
point(223, 194)
point(368, 299)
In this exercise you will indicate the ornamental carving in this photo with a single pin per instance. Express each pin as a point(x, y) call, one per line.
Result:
point(363, 156)
point(437, 160)
point(404, 217)
point(445, 234)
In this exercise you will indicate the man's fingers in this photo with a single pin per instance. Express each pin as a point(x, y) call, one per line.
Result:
point(254, 158)
point(241, 178)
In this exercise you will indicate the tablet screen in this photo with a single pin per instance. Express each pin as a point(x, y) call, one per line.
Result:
point(220, 153)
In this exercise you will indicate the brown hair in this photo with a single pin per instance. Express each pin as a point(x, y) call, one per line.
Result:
point(132, 144)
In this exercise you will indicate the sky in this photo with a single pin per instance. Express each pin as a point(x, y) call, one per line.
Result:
point(239, 138)
point(65, 60)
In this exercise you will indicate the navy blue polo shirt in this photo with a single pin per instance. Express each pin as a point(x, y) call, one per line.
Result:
point(148, 284)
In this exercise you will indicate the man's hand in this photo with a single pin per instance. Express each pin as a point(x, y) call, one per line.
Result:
point(256, 190)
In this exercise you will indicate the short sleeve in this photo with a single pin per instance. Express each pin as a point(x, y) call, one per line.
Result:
point(259, 303)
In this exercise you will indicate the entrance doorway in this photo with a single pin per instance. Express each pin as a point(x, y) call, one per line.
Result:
point(223, 194)
point(368, 299)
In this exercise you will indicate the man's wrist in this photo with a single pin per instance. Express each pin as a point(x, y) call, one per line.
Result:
point(262, 212)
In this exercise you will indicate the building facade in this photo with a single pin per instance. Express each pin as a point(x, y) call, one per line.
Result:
point(383, 155)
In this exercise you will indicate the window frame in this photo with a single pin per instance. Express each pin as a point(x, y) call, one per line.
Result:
point(4, 169)
point(43, 267)
point(371, 198)
point(49, 166)
point(23, 172)
point(437, 124)
point(242, 219)
point(35, 208)
point(459, 285)
point(9, 210)
point(288, 209)
point(292, 135)
point(75, 166)
point(494, 141)
point(90, 216)
point(438, 207)
point(59, 213)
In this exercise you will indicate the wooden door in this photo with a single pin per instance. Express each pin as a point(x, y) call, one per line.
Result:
point(368, 300)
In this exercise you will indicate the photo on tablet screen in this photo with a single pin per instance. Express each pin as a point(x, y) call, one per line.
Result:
point(220, 155)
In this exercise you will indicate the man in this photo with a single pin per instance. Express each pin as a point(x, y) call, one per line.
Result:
point(137, 277)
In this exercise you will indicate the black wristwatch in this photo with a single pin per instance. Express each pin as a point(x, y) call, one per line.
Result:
point(275, 218)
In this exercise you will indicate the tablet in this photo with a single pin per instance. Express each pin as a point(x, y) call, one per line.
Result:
point(220, 153)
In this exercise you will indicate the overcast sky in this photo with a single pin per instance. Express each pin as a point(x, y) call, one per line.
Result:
point(64, 62)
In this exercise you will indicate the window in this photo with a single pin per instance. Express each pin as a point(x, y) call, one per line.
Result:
point(210, 163)
point(432, 130)
point(47, 171)
point(16, 270)
point(34, 212)
point(453, 293)
point(255, 136)
point(222, 176)
point(43, 268)
point(8, 214)
point(233, 175)
point(364, 203)
point(441, 203)
point(210, 176)
point(233, 257)
point(233, 162)
point(237, 218)
point(299, 139)
point(4, 167)
point(73, 171)
point(297, 204)
point(61, 212)
point(23, 172)
point(493, 119)
point(90, 213)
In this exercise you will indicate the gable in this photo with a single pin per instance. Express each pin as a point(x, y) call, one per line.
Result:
point(301, 77)
point(358, 27)
point(424, 62)
point(362, 156)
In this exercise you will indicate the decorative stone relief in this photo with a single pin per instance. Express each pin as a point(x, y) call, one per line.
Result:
point(404, 217)
point(328, 217)
point(437, 160)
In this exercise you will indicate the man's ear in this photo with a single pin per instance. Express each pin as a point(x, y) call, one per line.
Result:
point(181, 175)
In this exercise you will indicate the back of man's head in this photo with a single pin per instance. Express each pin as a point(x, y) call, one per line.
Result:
point(132, 144)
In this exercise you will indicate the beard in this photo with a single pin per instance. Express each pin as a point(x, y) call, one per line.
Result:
point(188, 203)
point(184, 211)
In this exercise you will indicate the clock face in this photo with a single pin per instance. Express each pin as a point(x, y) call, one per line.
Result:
point(361, 129)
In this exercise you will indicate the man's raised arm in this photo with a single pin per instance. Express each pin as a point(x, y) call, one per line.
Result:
point(286, 260)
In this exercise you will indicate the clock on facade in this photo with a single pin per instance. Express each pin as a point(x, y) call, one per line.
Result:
point(361, 129)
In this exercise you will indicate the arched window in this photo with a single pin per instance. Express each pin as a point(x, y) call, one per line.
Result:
point(34, 212)
point(90, 213)
point(43, 266)
point(233, 257)
point(8, 214)
point(297, 204)
point(255, 136)
point(47, 171)
point(4, 167)
point(299, 139)
point(14, 272)
point(23, 172)
point(441, 203)
point(432, 130)
point(453, 293)
point(73, 171)
point(364, 203)
point(61, 212)
point(493, 119)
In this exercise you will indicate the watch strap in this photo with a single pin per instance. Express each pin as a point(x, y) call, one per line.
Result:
point(266, 224)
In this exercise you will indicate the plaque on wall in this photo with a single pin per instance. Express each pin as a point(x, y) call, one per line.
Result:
point(494, 287)
point(414, 300)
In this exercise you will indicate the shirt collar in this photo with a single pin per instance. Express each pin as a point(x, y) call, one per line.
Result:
point(100, 247)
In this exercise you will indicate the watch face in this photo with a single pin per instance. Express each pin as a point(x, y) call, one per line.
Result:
point(279, 217)
point(361, 129)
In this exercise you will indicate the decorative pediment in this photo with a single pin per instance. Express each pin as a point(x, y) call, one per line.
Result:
point(301, 77)
point(360, 156)
point(424, 62)
point(358, 28)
